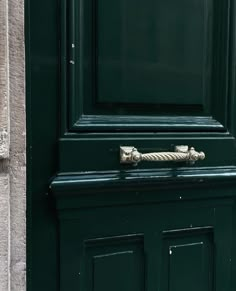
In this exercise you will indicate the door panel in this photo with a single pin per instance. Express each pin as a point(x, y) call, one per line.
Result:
point(147, 247)
point(115, 263)
point(193, 259)
point(136, 74)
point(161, 55)
point(156, 52)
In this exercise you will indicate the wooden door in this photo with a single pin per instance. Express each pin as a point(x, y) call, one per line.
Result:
point(104, 75)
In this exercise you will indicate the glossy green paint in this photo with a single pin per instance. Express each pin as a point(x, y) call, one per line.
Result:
point(42, 64)
point(151, 54)
point(101, 75)
point(85, 39)
point(185, 244)
point(175, 105)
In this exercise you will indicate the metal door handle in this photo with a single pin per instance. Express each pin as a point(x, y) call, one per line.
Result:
point(130, 155)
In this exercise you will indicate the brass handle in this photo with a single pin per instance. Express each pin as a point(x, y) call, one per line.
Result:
point(130, 155)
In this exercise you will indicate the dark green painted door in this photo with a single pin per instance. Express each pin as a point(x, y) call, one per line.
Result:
point(151, 75)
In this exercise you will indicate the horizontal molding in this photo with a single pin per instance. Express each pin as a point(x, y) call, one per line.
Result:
point(163, 123)
point(141, 178)
point(138, 186)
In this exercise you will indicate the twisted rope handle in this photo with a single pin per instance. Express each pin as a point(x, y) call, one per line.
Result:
point(164, 156)
point(182, 153)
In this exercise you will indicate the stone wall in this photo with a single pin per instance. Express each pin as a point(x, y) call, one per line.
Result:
point(12, 147)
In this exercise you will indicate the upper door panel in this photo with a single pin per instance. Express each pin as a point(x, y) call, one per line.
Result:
point(155, 52)
point(145, 67)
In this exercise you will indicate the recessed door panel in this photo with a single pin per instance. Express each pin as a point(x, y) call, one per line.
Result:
point(188, 259)
point(154, 51)
point(116, 263)
point(146, 59)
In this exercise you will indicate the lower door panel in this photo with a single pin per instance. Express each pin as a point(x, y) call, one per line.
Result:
point(174, 246)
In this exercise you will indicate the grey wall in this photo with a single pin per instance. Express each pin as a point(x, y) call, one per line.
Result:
point(12, 147)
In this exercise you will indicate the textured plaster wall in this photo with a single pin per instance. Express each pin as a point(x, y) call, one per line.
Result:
point(4, 85)
point(4, 233)
point(12, 147)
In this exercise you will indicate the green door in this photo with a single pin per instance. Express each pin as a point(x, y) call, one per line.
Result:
point(119, 92)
